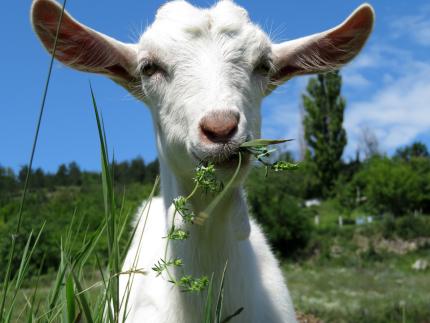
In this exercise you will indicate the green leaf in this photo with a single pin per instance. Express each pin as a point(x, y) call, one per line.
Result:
point(82, 299)
point(70, 299)
point(220, 300)
point(284, 166)
point(208, 303)
point(178, 234)
point(263, 142)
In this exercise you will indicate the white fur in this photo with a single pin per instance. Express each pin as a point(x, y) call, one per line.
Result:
point(211, 62)
point(254, 280)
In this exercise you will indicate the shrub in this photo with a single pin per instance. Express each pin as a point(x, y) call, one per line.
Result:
point(287, 225)
point(408, 227)
point(387, 186)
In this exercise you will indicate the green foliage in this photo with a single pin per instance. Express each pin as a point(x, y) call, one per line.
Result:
point(286, 223)
point(323, 129)
point(388, 186)
point(206, 179)
point(406, 227)
point(135, 171)
point(416, 149)
point(181, 207)
point(56, 208)
point(189, 283)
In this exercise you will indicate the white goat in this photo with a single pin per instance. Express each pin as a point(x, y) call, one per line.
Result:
point(203, 73)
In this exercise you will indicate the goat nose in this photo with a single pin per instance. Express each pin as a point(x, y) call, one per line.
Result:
point(219, 127)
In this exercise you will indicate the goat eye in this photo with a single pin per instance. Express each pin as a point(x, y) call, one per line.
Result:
point(263, 68)
point(149, 69)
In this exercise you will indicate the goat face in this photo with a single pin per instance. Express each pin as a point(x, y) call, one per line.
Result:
point(203, 72)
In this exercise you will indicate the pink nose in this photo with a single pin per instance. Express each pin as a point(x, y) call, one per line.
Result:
point(219, 127)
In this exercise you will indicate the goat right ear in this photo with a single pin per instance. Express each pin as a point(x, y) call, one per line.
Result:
point(326, 51)
point(81, 47)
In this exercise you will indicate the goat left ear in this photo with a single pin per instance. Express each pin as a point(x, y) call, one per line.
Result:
point(325, 51)
point(81, 47)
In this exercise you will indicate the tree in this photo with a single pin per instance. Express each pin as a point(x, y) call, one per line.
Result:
point(61, 177)
point(8, 183)
point(137, 170)
point(22, 174)
point(324, 133)
point(38, 178)
point(369, 143)
point(75, 174)
point(152, 170)
point(417, 149)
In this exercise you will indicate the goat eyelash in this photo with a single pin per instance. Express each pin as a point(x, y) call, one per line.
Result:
point(264, 66)
point(150, 67)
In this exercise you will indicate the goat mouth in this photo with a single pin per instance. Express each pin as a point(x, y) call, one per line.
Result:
point(224, 161)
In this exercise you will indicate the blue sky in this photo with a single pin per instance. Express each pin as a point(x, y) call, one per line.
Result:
point(387, 87)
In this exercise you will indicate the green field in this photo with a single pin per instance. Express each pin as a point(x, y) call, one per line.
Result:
point(379, 292)
point(385, 291)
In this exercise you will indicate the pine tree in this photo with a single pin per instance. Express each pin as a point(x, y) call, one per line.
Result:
point(323, 130)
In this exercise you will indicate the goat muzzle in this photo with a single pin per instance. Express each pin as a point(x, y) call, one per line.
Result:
point(219, 127)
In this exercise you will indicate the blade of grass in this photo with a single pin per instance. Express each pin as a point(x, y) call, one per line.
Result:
point(218, 311)
point(32, 313)
point(70, 299)
point(23, 268)
point(208, 303)
point(111, 220)
point(55, 291)
point(263, 142)
point(82, 299)
point(99, 316)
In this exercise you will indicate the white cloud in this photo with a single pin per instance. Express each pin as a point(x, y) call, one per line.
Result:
point(397, 113)
point(355, 79)
point(415, 27)
point(376, 56)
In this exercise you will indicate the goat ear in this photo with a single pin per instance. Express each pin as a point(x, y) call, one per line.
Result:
point(324, 51)
point(81, 47)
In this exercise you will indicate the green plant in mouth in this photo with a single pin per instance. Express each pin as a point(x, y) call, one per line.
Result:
point(206, 180)
point(259, 148)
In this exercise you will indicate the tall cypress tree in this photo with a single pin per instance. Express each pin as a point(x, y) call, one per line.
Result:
point(323, 130)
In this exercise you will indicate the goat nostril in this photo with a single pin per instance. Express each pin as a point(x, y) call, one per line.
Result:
point(219, 127)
